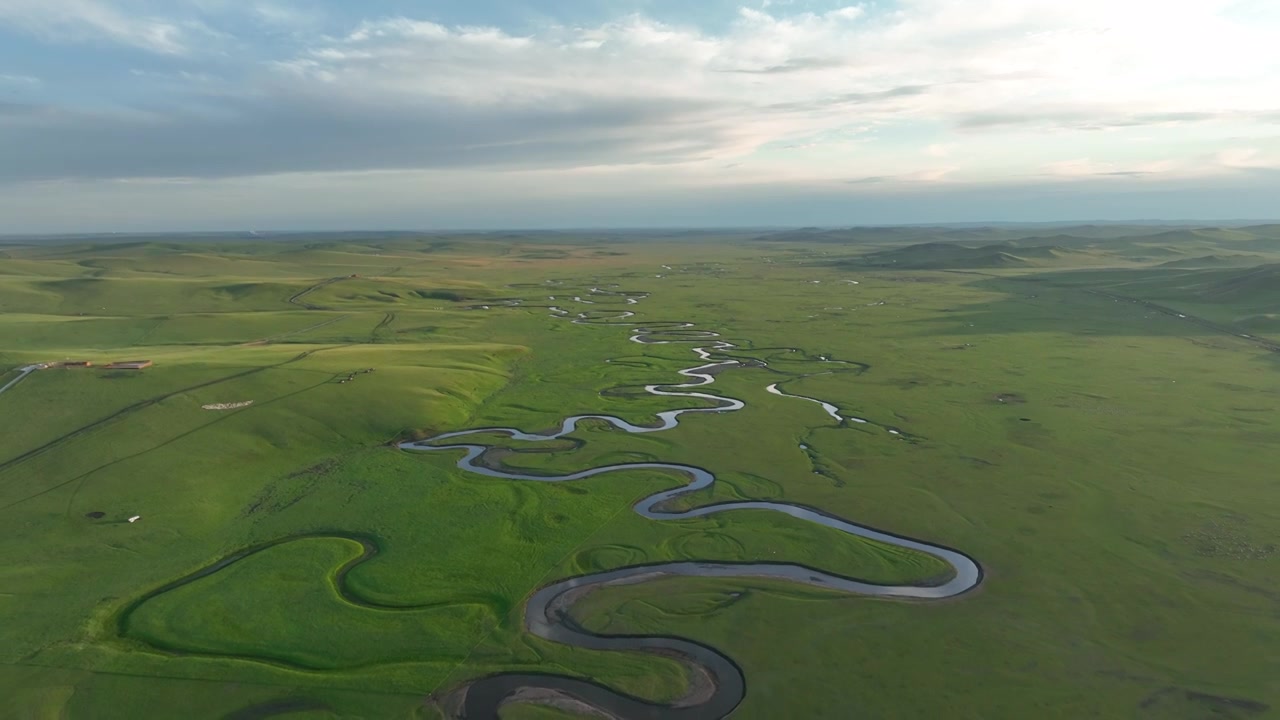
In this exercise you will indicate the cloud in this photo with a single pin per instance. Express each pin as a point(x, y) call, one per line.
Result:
point(94, 21)
point(304, 133)
point(794, 65)
point(854, 98)
point(407, 93)
point(1093, 119)
point(1087, 168)
point(1247, 158)
point(20, 80)
point(930, 175)
point(282, 15)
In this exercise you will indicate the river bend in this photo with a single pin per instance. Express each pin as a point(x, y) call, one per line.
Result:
point(547, 610)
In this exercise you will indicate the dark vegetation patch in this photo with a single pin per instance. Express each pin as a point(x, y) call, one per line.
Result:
point(274, 708)
point(291, 489)
point(918, 279)
point(95, 515)
point(322, 468)
point(1232, 582)
point(1177, 703)
point(450, 295)
point(1212, 261)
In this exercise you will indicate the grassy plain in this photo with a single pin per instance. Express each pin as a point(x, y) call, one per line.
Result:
point(1108, 462)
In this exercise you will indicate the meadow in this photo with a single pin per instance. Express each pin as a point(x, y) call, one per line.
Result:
point(1090, 412)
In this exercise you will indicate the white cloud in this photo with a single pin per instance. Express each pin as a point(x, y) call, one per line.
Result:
point(21, 80)
point(287, 16)
point(1247, 158)
point(97, 21)
point(986, 63)
point(990, 87)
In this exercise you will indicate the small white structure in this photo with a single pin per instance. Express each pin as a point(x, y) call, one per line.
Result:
point(135, 518)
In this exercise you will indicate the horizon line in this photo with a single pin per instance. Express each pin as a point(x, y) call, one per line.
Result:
point(252, 232)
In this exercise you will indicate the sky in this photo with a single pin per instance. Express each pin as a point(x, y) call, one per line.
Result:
point(165, 115)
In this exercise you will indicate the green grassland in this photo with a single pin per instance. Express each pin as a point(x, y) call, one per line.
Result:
point(1080, 409)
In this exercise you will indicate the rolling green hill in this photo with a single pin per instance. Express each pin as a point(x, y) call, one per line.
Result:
point(1255, 288)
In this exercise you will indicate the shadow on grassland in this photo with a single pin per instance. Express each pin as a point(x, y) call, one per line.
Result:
point(1088, 303)
point(42, 691)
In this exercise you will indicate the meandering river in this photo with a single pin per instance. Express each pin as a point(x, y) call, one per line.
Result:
point(547, 610)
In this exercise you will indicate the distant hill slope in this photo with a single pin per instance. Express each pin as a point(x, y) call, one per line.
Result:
point(1214, 261)
point(1254, 289)
point(1011, 246)
point(938, 256)
point(1063, 235)
point(1263, 231)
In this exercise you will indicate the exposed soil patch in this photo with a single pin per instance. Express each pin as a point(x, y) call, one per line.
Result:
point(1227, 537)
point(227, 406)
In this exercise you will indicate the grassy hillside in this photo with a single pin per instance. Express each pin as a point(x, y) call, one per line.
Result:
point(1245, 290)
point(941, 256)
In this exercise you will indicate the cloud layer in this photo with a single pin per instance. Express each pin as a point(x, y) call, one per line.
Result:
point(927, 91)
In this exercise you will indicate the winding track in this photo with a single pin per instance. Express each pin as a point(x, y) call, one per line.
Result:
point(22, 375)
point(547, 615)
